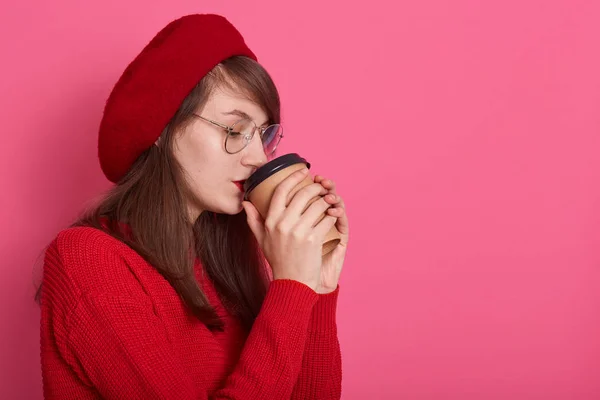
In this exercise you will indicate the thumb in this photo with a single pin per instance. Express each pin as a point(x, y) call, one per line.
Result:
point(255, 221)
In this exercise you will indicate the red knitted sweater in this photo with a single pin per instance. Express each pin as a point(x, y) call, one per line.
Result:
point(112, 327)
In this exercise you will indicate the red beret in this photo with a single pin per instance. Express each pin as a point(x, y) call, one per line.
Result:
point(157, 81)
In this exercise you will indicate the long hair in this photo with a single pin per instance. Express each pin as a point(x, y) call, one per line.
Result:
point(147, 210)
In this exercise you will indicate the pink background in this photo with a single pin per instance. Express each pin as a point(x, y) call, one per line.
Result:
point(463, 134)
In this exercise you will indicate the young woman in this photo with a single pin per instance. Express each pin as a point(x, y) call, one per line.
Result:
point(173, 287)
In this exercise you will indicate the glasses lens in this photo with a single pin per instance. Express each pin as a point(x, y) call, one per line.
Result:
point(240, 135)
point(271, 137)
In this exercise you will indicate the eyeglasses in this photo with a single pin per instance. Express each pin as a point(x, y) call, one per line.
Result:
point(240, 134)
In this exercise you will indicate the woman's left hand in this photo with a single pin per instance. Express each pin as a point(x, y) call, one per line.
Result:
point(334, 261)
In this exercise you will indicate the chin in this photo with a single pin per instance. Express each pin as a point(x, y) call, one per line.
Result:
point(230, 208)
point(235, 210)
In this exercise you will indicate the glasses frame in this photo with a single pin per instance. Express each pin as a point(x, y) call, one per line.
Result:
point(247, 138)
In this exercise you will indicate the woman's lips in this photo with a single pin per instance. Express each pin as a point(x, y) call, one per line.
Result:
point(240, 185)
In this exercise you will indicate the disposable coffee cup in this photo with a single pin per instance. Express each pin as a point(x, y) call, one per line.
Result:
point(260, 186)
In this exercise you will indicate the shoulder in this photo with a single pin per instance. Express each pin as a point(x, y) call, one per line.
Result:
point(89, 245)
point(82, 241)
point(92, 260)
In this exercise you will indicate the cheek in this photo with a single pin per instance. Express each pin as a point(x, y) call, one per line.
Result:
point(193, 147)
point(202, 157)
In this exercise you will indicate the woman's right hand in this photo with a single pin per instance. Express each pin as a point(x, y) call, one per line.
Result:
point(288, 236)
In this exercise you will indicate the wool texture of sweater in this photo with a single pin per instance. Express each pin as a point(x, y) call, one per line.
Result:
point(112, 327)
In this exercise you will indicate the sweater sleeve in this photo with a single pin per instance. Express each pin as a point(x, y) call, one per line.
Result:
point(321, 374)
point(117, 344)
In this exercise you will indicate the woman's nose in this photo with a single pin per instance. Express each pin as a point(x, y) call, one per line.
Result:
point(254, 152)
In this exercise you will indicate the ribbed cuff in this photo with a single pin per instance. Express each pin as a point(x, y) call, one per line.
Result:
point(290, 298)
point(324, 312)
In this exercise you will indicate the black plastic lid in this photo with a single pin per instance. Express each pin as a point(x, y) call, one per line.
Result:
point(270, 168)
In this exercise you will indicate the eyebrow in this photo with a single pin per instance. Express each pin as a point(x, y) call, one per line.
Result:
point(242, 114)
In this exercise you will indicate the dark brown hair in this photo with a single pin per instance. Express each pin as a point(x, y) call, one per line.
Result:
point(150, 201)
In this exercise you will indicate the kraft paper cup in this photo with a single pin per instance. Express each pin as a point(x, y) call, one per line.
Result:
point(259, 188)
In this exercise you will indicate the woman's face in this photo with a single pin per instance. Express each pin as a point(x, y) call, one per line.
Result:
point(210, 171)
